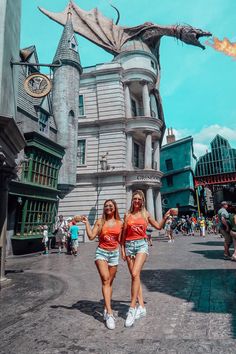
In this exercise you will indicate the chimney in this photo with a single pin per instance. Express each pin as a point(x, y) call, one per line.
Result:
point(170, 138)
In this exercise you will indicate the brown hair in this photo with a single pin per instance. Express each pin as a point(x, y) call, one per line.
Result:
point(104, 216)
point(143, 210)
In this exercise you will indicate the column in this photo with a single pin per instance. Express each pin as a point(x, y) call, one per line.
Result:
point(128, 197)
point(158, 206)
point(129, 153)
point(128, 109)
point(146, 99)
point(150, 202)
point(156, 155)
point(148, 151)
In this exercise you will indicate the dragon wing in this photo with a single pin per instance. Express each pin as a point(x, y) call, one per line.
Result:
point(93, 26)
point(111, 37)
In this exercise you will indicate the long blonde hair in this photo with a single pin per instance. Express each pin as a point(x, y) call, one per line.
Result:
point(143, 209)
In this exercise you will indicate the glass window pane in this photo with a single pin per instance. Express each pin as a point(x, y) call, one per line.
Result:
point(81, 105)
point(81, 152)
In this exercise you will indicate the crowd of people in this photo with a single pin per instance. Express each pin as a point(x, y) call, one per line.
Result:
point(65, 235)
point(191, 225)
point(133, 236)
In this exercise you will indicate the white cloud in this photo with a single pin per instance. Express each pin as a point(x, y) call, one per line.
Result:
point(200, 149)
point(207, 133)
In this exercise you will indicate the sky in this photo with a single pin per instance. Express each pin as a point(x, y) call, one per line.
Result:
point(198, 87)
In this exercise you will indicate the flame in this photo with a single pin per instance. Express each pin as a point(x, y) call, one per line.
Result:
point(224, 46)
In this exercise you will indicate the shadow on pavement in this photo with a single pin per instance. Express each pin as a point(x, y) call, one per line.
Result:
point(211, 254)
point(211, 243)
point(210, 291)
point(95, 308)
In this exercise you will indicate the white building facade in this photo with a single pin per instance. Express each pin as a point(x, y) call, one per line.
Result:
point(120, 128)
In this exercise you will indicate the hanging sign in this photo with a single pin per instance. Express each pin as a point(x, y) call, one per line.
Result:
point(37, 85)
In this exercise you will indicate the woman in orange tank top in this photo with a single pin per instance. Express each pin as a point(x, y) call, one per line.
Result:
point(134, 248)
point(108, 229)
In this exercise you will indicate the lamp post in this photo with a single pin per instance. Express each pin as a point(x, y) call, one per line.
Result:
point(197, 199)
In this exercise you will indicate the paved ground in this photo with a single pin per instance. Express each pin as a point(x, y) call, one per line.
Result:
point(54, 305)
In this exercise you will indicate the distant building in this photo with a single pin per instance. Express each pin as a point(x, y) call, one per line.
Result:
point(216, 170)
point(177, 164)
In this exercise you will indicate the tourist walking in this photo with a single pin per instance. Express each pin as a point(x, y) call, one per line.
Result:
point(45, 239)
point(202, 225)
point(232, 224)
point(60, 232)
point(74, 235)
point(108, 229)
point(134, 247)
point(224, 228)
point(168, 228)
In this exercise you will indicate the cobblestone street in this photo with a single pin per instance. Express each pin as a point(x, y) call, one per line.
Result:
point(54, 302)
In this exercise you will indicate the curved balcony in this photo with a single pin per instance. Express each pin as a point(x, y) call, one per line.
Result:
point(143, 124)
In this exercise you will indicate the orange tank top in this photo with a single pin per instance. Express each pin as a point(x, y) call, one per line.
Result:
point(109, 236)
point(136, 228)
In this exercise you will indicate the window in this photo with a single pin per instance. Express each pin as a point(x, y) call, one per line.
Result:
point(81, 152)
point(43, 122)
point(33, 215)
point(136, 155)
point(153, 64)
point(73, 43)
point(134, 108)
point(43, 170)
point(154, 106)
point(81, 105)
point(169, 164)
point(169, 180)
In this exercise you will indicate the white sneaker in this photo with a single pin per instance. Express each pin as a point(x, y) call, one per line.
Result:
point(140, 312)
point(130, 317)
point(110, 321)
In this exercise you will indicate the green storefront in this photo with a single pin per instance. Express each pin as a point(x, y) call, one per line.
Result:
point(33, 198)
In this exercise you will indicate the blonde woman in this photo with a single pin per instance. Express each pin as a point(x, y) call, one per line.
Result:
point(134, 246)
point(108, 229)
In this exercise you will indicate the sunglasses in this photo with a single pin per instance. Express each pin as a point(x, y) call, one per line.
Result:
point(109, 206)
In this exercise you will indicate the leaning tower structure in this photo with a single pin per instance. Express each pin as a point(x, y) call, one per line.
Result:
point(65, 94)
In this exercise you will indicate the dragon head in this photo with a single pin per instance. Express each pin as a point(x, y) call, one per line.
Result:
point(191, 35)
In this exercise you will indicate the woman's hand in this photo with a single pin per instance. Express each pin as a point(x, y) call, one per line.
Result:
point(167, 214)
point(84, 219)
point(123, 255)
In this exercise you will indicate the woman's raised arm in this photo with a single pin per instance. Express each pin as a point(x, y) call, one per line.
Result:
point(91, 232)
point(158, 225)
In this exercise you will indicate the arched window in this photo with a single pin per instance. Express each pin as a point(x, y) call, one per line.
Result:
point(154, 106)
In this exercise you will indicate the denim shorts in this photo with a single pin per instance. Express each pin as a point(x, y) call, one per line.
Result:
point(75, 243)
point(136, 246)
point(111, 257)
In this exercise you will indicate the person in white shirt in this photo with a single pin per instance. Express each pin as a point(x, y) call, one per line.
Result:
point(60, 232)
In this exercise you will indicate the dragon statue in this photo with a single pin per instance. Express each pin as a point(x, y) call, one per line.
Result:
point(112, 37)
